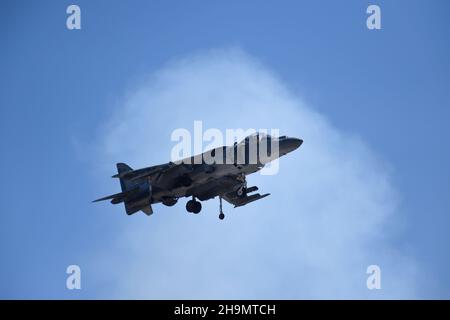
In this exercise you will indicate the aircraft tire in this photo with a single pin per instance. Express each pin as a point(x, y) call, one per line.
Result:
point(190, 206)
point(197, 207)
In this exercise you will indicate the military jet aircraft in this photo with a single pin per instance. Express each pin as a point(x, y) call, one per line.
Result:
point(218, 172)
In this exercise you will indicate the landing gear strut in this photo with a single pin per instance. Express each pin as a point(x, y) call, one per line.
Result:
point(241, 191)
point(221, 214)
point(193, 206)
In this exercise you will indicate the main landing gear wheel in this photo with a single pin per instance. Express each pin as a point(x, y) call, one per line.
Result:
point(193, 206)
point(197, 207)
point(169, 202)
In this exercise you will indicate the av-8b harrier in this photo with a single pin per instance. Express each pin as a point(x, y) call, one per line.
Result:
point(218, 172)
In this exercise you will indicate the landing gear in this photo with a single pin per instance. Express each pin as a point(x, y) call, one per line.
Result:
point(241, 191)
point(193, 206)
point(197, 207)
point(221, 214)
point(169, 201)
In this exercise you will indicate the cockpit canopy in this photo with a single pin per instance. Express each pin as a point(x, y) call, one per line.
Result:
point(257, 136)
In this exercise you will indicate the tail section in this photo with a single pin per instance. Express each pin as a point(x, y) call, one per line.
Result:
point(128, 189)
point(136, 193)
point(141, 200)
point(124, 184)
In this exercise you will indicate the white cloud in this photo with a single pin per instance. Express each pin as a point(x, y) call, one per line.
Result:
point(327, 218)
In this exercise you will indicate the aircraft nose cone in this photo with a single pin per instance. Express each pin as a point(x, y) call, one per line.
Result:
point(295, 143)
point(290, 144)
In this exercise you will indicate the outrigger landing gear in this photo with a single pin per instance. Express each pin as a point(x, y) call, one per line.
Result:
point(221, 214)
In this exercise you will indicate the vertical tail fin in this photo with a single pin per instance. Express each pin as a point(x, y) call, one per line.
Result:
point(140, 200)
point(124, 184)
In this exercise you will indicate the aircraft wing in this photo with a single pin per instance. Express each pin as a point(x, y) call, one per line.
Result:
point(244, 199)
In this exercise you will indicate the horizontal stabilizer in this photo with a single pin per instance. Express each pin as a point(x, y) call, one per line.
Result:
point(118, 197)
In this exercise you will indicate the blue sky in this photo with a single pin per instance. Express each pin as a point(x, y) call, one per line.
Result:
point(64, 93)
